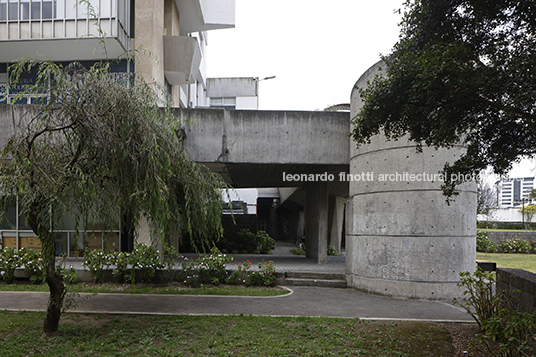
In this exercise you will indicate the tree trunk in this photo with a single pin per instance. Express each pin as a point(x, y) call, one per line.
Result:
point(39, 221)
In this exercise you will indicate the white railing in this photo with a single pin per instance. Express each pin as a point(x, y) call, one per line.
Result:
point(52, 19)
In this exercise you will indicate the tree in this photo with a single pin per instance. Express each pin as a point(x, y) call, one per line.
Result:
point(528, 211)
point(486, 199)
point(100, 146)
point(462, 72)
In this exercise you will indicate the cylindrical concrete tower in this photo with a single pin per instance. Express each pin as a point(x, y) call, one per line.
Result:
point(402, 238)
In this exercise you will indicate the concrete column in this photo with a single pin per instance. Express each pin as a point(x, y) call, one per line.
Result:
point(336, 218)
point(402, 238)
point(316, 221)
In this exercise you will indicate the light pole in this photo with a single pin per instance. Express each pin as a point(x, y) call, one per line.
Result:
point(257, 87)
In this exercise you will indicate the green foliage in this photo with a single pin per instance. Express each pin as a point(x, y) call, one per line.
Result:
point(484, 243)
point(265, 276)
point(515, 245)
point(95, 261)
point(9, 261)
point(33, 264)
point(247, 242)
point(500, 323)
point(120, 261)
point(264, 242)
point(505, 225)
point(69, 275)
point(528, 211)
point(146, 260)
point(332, 251)
point(171, 258)
point(478, 300)
point(460, 73)
point(211, 267)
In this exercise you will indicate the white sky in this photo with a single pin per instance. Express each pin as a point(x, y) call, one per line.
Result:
point(317, 50)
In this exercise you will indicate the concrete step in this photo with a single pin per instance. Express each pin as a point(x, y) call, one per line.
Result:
point(326, 280)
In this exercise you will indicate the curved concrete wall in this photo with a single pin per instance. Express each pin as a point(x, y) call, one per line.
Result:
point(402, 238)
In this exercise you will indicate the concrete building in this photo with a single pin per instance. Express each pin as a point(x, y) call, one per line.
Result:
point(167, 38)
point(402, 239)
point(170, 38)
point(511, 191)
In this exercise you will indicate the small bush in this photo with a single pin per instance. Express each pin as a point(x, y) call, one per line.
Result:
point(265, 276)
point(264, 242)
point(9, 261)
point(33, 264)
point(211, 267)
point(515, 245)
point(500, 323)
point(146, 260)
point(94, 261)
point(484, 243)
point(120, 260)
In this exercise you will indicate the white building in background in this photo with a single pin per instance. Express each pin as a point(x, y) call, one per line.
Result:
point(171, 36)
point(511, 191)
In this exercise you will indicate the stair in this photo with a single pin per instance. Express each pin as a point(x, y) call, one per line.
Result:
point(325, 280)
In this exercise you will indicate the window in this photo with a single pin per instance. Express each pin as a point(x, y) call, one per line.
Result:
point(25, 10)
point(227, 103)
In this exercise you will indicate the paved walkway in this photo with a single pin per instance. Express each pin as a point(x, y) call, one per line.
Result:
point(302, 301)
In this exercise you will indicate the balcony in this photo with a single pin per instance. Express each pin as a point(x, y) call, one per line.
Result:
point(204, 15)
point(63, 30)
point(182, 57)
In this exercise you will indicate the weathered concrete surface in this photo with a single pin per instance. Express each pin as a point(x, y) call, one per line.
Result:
point(255, 148)
point(402, 238)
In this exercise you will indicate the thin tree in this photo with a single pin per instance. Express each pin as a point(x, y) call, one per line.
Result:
point(99, 146)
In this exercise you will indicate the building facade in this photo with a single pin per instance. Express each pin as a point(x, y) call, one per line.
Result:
point(167, 39)
point(512, 191)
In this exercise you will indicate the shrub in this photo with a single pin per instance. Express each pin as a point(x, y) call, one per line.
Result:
point(515, 245)
point(94, 261)
point(120, 260)
point(33, 264)
point(9, 261)
point(189, 273)
point(264, 242)
point(498, 320)
point(69, 275)
point(484, 243)
point(211, 267)
point(147, 260)
point(264, 276)
point(332, 251)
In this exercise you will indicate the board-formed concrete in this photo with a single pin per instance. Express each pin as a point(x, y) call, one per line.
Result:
point(403, 239)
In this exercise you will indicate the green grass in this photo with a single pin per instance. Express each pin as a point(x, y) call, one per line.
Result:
point(510, 260)
point(227, 290)
point(122, 335)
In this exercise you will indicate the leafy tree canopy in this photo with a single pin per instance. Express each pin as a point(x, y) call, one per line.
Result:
point(463, 71)
point(98, 146)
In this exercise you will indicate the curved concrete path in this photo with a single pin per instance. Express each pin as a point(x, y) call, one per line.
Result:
point(303, 301)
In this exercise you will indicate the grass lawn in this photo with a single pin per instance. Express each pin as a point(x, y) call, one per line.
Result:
point(226, 290)
point(510, 260)
point(122, 335)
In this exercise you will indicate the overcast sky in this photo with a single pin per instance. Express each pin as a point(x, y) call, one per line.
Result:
point(317, 49)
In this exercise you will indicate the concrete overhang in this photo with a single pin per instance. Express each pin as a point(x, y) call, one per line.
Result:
point(75, 49)
point(231, 87)
point(204, 15)
point(182, 57)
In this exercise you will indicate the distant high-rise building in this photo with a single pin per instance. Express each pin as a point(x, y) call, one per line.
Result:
point(511, 191)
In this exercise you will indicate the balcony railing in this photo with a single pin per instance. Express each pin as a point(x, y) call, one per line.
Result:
point(64, 19)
